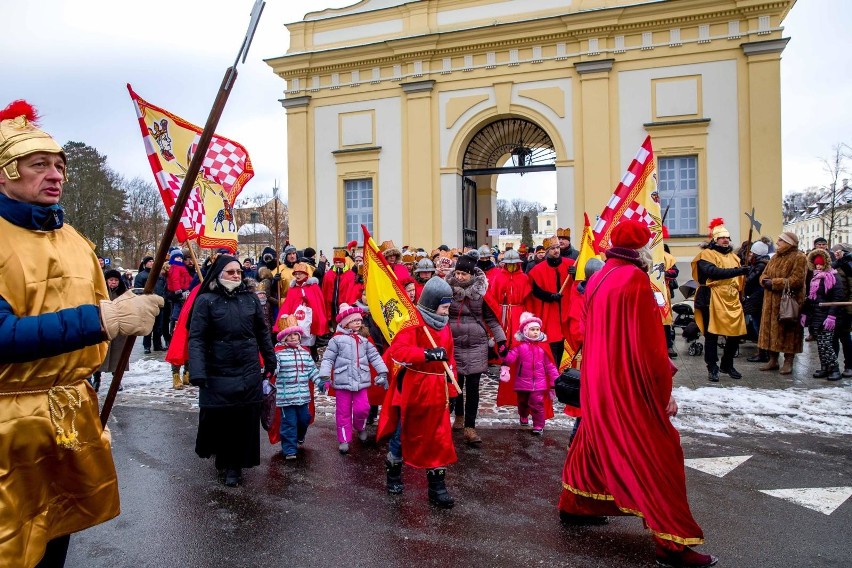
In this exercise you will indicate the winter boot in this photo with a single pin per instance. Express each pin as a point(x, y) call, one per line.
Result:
point(787, 367)
point(95, 381)
point(394, 473)
point(471, 438)
point(834, 373)
point(761, 357)
point(772, 364)
point(176, 382)
point(458, 423)
point(185, 377)
point(233, 477)
point(438, 494)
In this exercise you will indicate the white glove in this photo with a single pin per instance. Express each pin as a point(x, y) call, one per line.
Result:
point(130, 314)
point(267, 386)
point(185, 295)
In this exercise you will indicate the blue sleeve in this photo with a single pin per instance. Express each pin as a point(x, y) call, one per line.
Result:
point(37, 337)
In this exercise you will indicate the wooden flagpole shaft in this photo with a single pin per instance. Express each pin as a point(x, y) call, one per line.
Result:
point(567, 280)
point(446, 366)
point(194, 258)
point(171, 227)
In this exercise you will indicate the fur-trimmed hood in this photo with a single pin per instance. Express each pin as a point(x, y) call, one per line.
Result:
point(474, 288)
point(308, 282)
point(818, 252)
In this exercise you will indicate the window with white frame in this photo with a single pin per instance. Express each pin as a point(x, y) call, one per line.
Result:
point(359, 207)
point(678, 187)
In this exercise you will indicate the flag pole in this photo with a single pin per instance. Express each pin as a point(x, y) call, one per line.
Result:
point(180, 202)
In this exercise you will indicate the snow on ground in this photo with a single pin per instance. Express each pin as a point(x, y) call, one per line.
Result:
point(786, 411)
point(709, 410)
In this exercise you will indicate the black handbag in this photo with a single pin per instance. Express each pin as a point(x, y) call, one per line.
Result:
point(567, 387)
point(268, 409)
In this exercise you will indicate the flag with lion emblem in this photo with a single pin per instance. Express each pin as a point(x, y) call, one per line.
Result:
point(390, 306)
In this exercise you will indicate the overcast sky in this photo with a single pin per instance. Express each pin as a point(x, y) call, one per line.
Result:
point(72, 59)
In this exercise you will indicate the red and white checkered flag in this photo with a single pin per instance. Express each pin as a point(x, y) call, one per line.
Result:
point(634, 198)
point(225, 161)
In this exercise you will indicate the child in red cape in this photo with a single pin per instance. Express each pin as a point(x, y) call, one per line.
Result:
point(304, 290)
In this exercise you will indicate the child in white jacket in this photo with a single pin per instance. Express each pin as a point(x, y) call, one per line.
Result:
point(347, 362)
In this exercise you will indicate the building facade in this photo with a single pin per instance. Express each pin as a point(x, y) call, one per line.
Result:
point(401, 114)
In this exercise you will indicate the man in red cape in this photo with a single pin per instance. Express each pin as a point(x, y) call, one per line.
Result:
point(550, 298)
point(304, 290)
point(632, 466)
point(336, 284)
point(415, 414)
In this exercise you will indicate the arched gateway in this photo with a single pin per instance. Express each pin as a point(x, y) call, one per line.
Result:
point(399, 111)
point(505, 146)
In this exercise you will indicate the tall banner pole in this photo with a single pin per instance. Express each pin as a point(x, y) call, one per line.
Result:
point(177, 210)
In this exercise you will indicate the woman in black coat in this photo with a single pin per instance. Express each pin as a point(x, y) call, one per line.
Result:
point(226, 332)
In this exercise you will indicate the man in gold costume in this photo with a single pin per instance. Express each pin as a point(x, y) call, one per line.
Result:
point(718, 310)
point(56, 470)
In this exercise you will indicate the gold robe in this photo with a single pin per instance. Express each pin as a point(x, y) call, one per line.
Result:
point(726, 310)
point(56, 470)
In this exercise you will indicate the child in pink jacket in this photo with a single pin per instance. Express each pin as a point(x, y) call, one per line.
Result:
point(533, 369)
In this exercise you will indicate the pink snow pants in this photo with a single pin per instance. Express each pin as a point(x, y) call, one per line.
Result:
point(351, 413)
point(531, 402)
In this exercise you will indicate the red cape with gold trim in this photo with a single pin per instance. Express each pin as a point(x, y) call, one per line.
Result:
point(634, 464)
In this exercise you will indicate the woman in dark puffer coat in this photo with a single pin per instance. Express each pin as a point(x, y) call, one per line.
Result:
point(469, 318)
point(226, 332)
point(825, 286)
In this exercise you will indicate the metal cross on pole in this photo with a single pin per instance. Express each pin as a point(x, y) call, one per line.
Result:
point(753, 224)
point(183, 196)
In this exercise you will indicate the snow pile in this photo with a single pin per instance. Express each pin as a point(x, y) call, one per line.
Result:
point(722, 411)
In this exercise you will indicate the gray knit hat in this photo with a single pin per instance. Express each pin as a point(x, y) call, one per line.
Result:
point(435, 292)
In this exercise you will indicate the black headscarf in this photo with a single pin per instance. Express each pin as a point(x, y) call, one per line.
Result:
point(214, 271)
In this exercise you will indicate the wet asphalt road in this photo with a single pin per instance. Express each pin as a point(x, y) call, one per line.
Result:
point(331, 510)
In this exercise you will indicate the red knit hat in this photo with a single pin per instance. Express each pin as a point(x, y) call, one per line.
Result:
point(630, 234)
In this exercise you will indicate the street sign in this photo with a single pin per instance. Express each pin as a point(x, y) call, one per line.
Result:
point(497, 232)
point(107, 261)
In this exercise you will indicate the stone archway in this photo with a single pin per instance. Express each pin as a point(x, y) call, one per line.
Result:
point(517, 140)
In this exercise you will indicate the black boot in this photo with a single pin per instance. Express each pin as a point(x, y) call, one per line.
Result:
point(95, 381)
point(394, 471)
point(820, 373)
point(438, 494)
point(834, 373)
point(233, 477)
point(761, 357)
point(713, 374)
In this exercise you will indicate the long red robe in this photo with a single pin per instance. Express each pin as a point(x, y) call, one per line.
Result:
point(626, 457)
point(554, 315)
point(508, 291)
point(309, 293)
point(344, 282)
point(427, 440)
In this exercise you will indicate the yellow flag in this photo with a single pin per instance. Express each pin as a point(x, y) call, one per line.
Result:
point(587, 250)
point(390, 306)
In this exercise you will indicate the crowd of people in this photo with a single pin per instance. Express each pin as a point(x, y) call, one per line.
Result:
point(298, 321)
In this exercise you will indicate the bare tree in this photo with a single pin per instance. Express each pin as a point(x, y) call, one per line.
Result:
point(510, 214)
point(144, 220)
point(835, 166)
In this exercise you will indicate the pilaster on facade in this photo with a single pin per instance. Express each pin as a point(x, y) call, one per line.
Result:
point(597, 66)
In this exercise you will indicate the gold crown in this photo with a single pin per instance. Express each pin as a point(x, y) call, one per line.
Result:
point(339, 252)
point(564, 233)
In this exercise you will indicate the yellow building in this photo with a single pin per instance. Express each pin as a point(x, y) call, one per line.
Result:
point(401, 114)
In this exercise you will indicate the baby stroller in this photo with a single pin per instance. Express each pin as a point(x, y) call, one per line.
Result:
point(685, 318)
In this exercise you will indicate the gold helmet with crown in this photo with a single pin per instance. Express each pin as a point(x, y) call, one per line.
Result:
point(20, 137)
